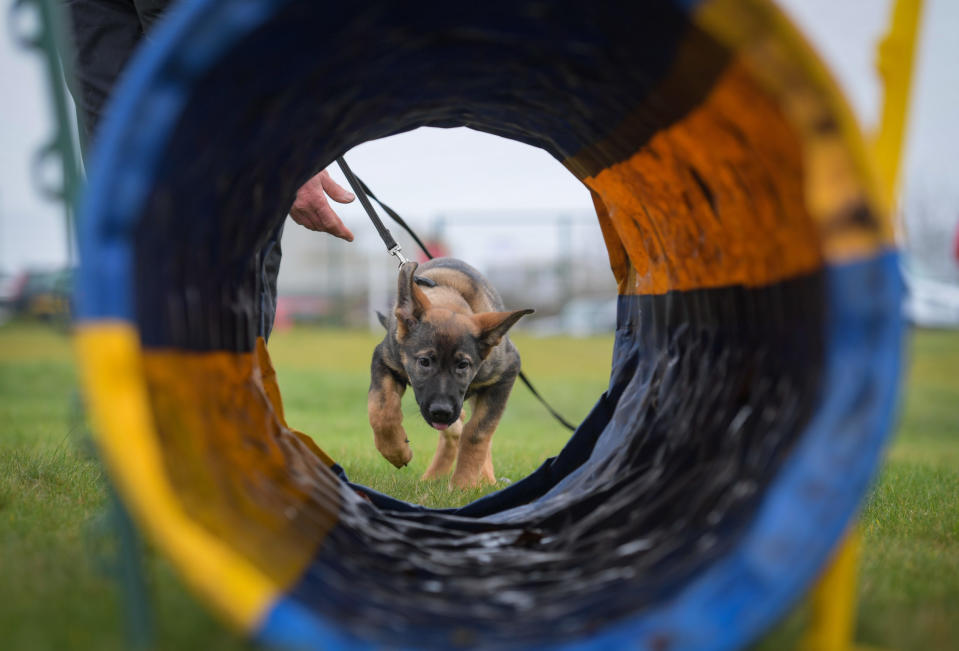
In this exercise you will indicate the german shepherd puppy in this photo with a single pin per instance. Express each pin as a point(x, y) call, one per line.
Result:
point(447, 338)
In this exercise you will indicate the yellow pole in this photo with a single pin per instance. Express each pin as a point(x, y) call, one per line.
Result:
point(833, 600)
point(896, 55)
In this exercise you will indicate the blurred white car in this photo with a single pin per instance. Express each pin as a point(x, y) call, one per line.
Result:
point(931, 303)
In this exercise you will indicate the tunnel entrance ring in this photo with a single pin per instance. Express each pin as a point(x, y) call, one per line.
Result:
point(756, 355)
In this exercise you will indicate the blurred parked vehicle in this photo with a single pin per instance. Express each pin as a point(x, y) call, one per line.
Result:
point(581, 317)
point(8, 288)
point(39, 294)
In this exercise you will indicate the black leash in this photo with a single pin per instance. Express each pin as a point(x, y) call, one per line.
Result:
point(362, 191)
point(392, 247)
point(542, 400)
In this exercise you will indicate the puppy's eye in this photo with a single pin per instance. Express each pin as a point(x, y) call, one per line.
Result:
point(423, 362)
point(462, 365)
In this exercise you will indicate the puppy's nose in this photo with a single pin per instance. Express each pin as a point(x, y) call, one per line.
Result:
point(440, 413)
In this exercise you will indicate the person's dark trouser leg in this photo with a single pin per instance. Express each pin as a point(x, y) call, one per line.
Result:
point(150, 11)
point(269, 270)
point(105, 33)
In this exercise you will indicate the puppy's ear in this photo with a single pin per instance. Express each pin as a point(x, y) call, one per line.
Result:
point(411, 302)
point(492, 327)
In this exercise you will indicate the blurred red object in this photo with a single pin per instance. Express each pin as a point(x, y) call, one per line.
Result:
point(283, 320)
point(955, 248)
point(436, 247)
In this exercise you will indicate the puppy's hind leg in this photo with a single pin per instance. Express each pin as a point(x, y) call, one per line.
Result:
point(446, 450)
point(487, 472)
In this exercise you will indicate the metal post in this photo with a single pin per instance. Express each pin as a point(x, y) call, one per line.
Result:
point(62, 151)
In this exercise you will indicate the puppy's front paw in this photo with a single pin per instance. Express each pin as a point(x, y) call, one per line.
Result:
point(399, 454)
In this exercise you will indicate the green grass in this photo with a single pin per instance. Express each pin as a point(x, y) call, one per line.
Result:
point(56, 591)
point(910, 564)
point(56, 548)
point(329, 397)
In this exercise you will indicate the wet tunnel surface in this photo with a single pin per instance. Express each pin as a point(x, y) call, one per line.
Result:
point(697, 420)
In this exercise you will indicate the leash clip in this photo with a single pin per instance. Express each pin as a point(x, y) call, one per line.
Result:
point(398, 252)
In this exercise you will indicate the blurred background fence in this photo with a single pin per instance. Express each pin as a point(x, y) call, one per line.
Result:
point(553, 262)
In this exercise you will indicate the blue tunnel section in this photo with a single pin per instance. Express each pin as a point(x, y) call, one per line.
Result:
point(666, 542)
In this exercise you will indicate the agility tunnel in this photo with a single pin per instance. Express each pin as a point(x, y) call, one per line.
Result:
point(756, 360)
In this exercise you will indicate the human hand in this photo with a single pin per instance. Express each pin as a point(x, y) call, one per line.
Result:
point(312, 210)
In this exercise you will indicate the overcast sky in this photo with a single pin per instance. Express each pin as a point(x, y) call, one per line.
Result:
point(428, 172)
